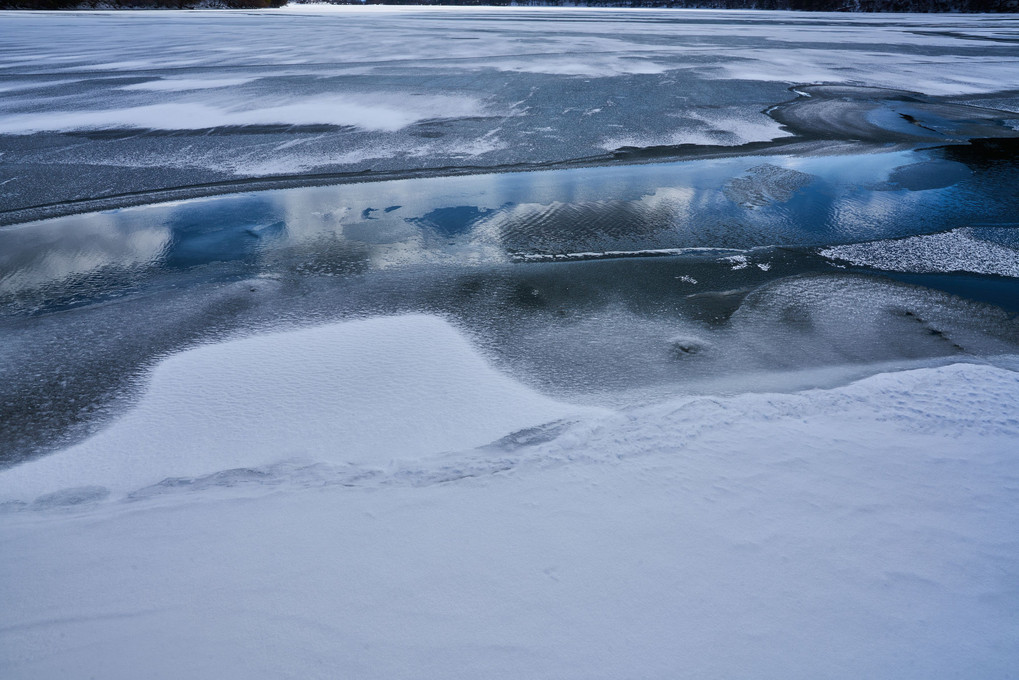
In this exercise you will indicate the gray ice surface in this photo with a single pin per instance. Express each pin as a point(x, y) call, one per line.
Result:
point(100, 104)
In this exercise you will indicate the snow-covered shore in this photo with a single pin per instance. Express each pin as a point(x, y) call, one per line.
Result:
point(860, 531)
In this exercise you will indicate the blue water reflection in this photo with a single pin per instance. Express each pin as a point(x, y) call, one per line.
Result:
point(728, 204)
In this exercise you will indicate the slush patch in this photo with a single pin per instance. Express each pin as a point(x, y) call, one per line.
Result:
point(980, 250)
point(765, 184)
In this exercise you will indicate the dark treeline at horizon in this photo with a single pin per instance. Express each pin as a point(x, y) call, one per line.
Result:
point(965, 6)
point(141, 4)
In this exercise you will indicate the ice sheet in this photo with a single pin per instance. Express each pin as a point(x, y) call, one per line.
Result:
point(597, 66)
point(500, 86)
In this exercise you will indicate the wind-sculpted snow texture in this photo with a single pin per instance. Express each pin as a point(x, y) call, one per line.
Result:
point(299, 377)
point(862, 531)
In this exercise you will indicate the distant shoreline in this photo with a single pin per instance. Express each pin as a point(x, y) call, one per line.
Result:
point(846, 6)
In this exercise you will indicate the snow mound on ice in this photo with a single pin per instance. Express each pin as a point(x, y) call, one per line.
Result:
point(970, 249)
point(363, 392)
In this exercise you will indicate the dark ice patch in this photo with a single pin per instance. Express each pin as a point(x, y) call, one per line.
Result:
point(848, 319)
point(532, 436)
point(1004, 235)
point(682, 346)
point(935, 174)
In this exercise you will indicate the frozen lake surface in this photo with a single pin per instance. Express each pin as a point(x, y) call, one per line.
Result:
point(396, 343)
point(185, 101)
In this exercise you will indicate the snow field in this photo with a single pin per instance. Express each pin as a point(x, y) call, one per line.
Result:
point(863, 531)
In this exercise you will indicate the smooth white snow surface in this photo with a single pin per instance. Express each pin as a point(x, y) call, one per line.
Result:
point(365, 391)
point(863, 531)
point(720, 128)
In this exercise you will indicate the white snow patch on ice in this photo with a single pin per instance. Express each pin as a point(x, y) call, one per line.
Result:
point(303, 155)
point(32, 85)
point(952, 251)
point(936, 75)
point(733, 129)
point(385, 112)
point(737, 261)
point(590, 66)
point(726, 128)
point(182, 84)
point(134, 65)
point(366, 391)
